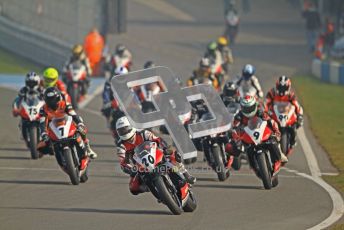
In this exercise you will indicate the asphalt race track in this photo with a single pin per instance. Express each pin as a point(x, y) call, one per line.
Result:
point(38, 195)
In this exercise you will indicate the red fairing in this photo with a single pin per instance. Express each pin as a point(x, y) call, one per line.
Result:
point(83, 76)
point(267, 134)
point(184, 190)
point(246, 138)
point(218, 70)
point(52, 135)
point(292, 120)
point(72, 130)
point(158, 156)
point(24, 114)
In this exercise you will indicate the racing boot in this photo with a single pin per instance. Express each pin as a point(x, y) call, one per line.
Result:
point(90, 152)
point(189, 178)
point(284, 158)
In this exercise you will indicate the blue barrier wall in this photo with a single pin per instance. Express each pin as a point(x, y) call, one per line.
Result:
point(331, 72)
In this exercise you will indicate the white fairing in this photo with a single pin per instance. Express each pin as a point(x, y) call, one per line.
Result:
point(122, 61)
point(61, 131)
point(77, 72)
point(147, 158)
point(256, 131)
point(247, 89)
point(33, 110)
point(283, 112)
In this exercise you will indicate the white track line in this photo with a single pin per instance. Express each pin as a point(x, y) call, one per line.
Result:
point(89, 98)
point(337, 200)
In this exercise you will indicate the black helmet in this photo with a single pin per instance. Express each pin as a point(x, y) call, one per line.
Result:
point(120, 48)
point(149, 64)
point(230, 89)
point(52, 97)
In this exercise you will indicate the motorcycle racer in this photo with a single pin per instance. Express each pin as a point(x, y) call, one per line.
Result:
point(249, 110)
point(226, 52)
point(78, 55)
point(110, 104)
point(203, 74)
point(284, 93)
point(129, 139)
point(230, 93)
point(32, 86)
point(121, 53)
point(248, 80)
point(56, 106)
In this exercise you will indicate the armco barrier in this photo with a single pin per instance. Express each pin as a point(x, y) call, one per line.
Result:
point(43, 49)
point(331, 72)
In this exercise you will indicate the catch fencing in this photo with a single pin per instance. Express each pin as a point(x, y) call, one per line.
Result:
point(45, 30)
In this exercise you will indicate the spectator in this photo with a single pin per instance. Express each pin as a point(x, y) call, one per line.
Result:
point(313, 24)
point(329, 36)
point(93, 45)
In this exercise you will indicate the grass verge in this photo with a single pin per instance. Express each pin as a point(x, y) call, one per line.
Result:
point(12, 64)
point(323, 104)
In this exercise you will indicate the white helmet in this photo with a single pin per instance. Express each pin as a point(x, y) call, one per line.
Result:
point(121, 70)
point(124, 129)
point(32, 80)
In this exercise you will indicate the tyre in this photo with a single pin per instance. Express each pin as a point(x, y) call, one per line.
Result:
point(33, 142)
point(284, 142)
point(218, 163)
point(72, 171)
point(236, 165)
point(84, 177)
point(264, 171)
point(275, 181)
point(191, 203)
point(74, 94)
point(166, 197)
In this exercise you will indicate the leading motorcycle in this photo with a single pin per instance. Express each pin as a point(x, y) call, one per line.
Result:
point(166, 184)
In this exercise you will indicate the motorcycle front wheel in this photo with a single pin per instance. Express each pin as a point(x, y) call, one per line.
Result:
point(71, 169)
point(166, 197)
point(264, 171)
point(33, 142)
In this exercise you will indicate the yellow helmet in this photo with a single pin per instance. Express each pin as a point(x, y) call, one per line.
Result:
point(77, 49)
point(50, 77)
point(222, 41)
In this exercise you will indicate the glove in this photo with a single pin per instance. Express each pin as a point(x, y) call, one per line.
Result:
point(106, 106)
point(45, 137)
point(82, 128)
point(299, 121)
point(274, 139)
point(15, 113)
point(170, 150)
